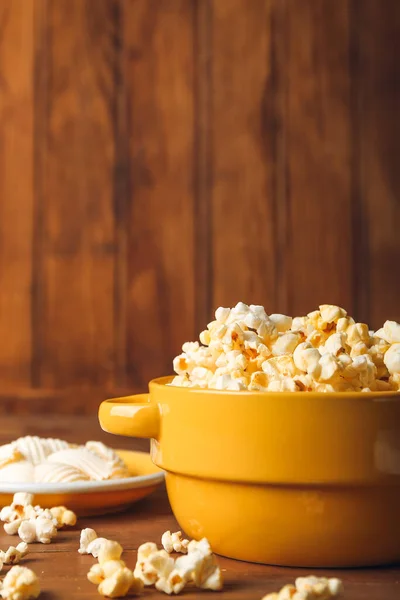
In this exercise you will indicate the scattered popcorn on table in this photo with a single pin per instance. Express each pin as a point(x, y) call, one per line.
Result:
point(114, 579)
point(41, 529)
point(13, 555)
point(33, 523)
point(309, 588)
point(63, 516)
point(111, 574)
point(20, 583)
point(198, 566)
point(90, 543)
point(324, 351)
point(173, 542)
point(87, 536)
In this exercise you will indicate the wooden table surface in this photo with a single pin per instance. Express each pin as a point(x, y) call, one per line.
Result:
point(62, 571)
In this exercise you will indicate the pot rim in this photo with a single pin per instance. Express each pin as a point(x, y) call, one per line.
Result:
point(389, 396)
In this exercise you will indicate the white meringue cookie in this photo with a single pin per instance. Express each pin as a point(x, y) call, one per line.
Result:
point(117, 465)
point(84, 460)
point(50, 472)
point(21, 471)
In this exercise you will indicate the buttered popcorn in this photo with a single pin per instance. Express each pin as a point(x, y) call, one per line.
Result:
point(324, 351)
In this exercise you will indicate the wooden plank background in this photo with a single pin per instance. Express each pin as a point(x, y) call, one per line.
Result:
point(161, 158)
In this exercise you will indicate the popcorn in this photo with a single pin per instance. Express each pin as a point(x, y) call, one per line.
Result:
point(222, 314)
point(245, 349)
point(286, 384)
point(287, 593)
point(319, 587)
point(20, 583)
point(306, 357)
point(63, 516)
point(109, 550)
point(157, 567)
point(392, 359)
point(336, 344)
point(343, 324)
point(285, 344)
point(87, 536)
point(390, 332)
point(144, 570)
point(33, 523)
point(173, 542)
point(328, 368)
point(281, 323)
point(114, 579)
point(200, 566)
point(20, 508)
point(358, 332)
point(42, 529)
point(331, 313)
point(90, 543)
point(119, 584)
point(13, 555)
point(309, 588)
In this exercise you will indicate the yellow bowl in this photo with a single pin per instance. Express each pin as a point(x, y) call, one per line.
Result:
point(299, 479)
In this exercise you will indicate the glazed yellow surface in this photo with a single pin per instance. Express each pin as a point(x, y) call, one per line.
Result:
point(301, 479)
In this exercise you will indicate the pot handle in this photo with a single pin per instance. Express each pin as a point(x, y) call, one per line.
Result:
point(133, 416)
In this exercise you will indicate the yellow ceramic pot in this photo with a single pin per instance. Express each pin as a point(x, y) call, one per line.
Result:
point(300, 479)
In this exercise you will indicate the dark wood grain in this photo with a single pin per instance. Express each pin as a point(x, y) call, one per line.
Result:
point(75, 189)
point(62, 570)
point(158, 42)
point(244, 115)
point(379, 101)
point(317, 129)
point(158, 159)
point(16, 190)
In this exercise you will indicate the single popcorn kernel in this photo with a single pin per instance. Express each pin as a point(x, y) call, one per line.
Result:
point(20, 583)
point(286, 593)
point(13, 555)
point(173, 542)
point(86, 538)
point(63, 516)
point(109, 550)
point(41, 530)
point(114, 579)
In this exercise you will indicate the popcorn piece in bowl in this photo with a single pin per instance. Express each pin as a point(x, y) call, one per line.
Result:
point(20, 583)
